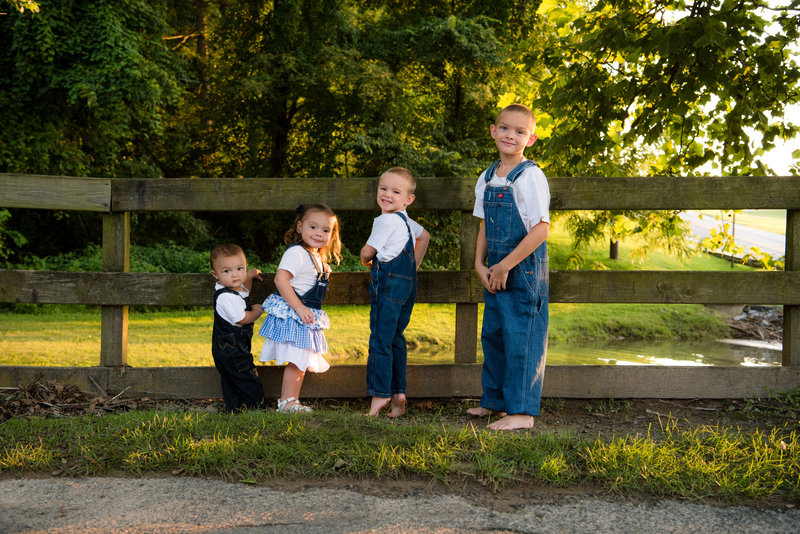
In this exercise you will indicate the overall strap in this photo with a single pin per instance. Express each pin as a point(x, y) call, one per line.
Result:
point(405, 220)
point(310, 255)
point(515, 172)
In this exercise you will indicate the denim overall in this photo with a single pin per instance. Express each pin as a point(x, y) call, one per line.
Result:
point(514, 334)
point(314, 296)
point(392, 292)
point(230, 346)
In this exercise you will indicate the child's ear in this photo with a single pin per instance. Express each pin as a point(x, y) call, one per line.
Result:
point(532, 140)
point(410, 199)
point(214, 274)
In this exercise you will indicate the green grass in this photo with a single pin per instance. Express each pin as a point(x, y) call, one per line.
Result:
point(70, 335)
point(431, 443)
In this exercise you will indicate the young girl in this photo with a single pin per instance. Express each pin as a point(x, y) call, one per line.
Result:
point(295, 321)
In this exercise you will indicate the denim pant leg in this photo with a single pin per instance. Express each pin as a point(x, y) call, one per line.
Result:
point(384, 317)
point(400, 349)
point(494, 363)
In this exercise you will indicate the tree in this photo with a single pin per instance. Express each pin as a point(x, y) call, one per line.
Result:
point(643, 87)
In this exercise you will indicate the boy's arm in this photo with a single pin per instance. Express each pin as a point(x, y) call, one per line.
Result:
point(251, 274)
point(368, 254)
point(252, 315)
point(421, 245)
point(481, 250)
point(498, 273)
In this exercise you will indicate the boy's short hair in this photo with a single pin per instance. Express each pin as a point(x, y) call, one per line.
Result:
point(519, 108)
point(402, 171)
point(224, 251)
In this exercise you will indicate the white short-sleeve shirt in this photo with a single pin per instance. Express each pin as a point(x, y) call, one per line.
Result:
point(230, 307)
point(297, 261)
point(531, 195)
point(390, 234)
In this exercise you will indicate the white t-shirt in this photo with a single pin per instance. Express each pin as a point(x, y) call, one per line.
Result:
point(531, 195)
point(390, 234)
point(230, 307)
point(297, 261)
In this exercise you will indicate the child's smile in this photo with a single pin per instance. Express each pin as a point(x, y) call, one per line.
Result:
point(315, 229)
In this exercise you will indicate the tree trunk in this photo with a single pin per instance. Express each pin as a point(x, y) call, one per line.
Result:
point(613, 249)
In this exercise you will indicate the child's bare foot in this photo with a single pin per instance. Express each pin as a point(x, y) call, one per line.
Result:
point(480, 411)
point(398, 405)
point(378, 403)
point(515, 421)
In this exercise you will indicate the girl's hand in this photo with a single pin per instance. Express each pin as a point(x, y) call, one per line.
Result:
point(483, 273)
point(305, 313)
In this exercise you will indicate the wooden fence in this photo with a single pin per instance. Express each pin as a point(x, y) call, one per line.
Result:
point(117, 288)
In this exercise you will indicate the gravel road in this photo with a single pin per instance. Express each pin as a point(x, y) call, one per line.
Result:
point(173, 505)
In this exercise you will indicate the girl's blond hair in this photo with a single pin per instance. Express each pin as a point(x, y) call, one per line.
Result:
point(331, 251)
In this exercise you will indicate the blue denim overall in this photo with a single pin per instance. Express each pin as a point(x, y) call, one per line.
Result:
point(392, 292)
point(514, 334)
point(314, 296)
point(230, 346)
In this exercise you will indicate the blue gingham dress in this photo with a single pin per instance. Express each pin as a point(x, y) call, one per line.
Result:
point(283, 325)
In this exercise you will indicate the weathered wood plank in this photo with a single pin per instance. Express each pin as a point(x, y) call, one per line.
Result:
point(276, 194)
point(55, 192)
point(791, 314)
point(156, 289)
point(266, 194)
point(682, 287)
point(114, 319)
point(466, 349)
point(447, 380)
point(675, 193)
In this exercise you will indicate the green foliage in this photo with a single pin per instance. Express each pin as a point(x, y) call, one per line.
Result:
point(167, 257)
point(8, 236)
point(343, 88)
point(85, 86)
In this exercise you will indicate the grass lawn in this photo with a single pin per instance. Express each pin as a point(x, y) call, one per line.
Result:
point(434, 442)
point(70, 335)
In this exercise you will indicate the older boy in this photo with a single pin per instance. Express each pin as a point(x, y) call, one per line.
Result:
point(233, 328)
point(513, 201)
point(395, 249)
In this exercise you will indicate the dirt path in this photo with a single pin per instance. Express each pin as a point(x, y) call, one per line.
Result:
point(173, 505)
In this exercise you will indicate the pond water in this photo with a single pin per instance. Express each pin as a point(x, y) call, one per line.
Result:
point(723, 352)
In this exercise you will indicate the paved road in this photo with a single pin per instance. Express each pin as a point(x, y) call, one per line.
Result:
point(186, 505)
point(772, 244)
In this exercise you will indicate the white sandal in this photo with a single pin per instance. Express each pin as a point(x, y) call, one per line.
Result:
point(285, 406)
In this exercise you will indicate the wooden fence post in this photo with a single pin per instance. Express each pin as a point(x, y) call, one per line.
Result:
point(791, 314)
point(467, 313)
point(114, 319)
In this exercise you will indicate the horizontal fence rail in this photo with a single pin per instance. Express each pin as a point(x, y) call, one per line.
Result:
point(117, 289)
point(453, 287)
point(281, 194)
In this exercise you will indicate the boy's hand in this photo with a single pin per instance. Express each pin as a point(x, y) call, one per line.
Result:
point(498, 275)
point(483, 273)
point(254, 273)
point(259, 309)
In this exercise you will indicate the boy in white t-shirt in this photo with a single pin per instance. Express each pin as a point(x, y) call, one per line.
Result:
point(394, 250)
point(233, 328)
point(512, 199)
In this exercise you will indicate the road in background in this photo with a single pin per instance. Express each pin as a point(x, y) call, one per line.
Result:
point(769, 242)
